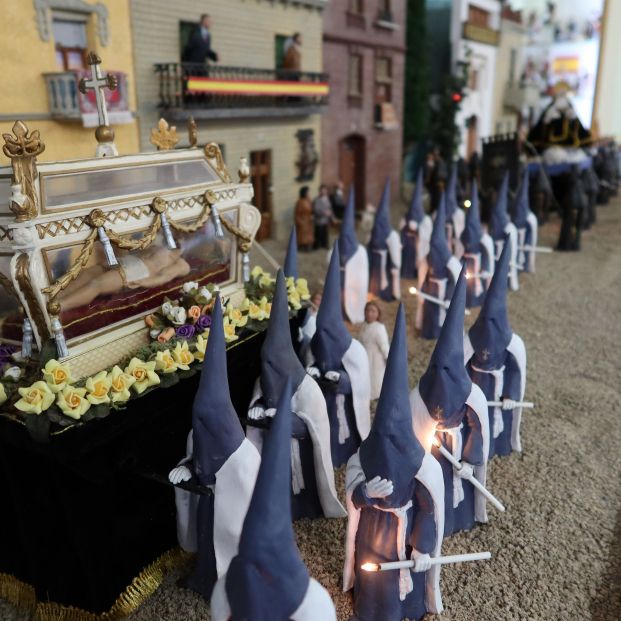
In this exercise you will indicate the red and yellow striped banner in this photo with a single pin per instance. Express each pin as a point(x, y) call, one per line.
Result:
point(257, 87)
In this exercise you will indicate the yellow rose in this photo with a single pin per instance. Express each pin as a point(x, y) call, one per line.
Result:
point(143, 373)
point(98, 388)
point(265, 281)
point(120, 384)
point(35, 398)
point(56, 375)
point(164, 362)
point(294, 301)
point(245, 305)
point(265, 306)
point(301, 286)
point(72, 402)
point(201, 345)
point(2, 394)
point(182, 356)
point(257, 271)
point(256, 312)
point(290, 280)
point(236, 317)
point(229, 331)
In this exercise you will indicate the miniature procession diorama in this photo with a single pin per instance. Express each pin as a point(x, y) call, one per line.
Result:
point(135, 331)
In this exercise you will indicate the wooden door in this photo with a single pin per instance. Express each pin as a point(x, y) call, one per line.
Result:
point(261, 178)
point(351, 167)
point(473, 136)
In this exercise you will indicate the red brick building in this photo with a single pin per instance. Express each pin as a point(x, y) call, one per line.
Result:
point(364, 53)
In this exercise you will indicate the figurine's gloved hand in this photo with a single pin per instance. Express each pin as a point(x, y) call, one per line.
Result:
point(179, 475)
point(333, 376)
point(256, 413)
point(508, 404)
point(466, 471)
point(314, 372)
point(423, 561)
point(378, 488)
point(270, 412)
point(412, 225)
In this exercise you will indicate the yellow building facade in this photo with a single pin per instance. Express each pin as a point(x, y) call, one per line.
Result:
point(32, 34)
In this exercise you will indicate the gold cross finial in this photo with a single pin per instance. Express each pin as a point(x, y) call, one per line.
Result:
point(164, 137)
point(437, 412)
point(486, 354)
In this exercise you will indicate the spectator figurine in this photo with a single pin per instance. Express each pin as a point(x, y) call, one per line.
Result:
point(223, 462)
point(337, 199)
point(292, 62)
point(415, 233)
point(304, 221)
point(198, 48)
point(322, 211)
point(340, 365)
point(374, 337)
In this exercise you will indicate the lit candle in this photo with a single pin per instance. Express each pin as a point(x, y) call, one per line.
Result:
point(431, 298)
point(437, 560)
point(518, 404)
point(536, 249)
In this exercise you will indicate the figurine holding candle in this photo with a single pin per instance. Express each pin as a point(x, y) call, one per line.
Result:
point(450, 412)
point(527, 227)
point(395, 502)
point(340, 365)
point(436, 277)
point(496, 361)
point(223, 461)
point(312, 490)
point(455, 216)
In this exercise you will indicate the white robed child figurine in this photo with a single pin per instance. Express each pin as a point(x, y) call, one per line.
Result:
point(496, 361)
point(448, 409)
point(354, 265)
point(374, 339)
point(527, 226)
point(436, 277)
point(415, 233)
point(455, 216)
point(267, 580)
point(313, 492)
point(500, 226)
point(384, 253)
point(479, 255)
point(395, 502)
point(220, 459)
point(340, 365)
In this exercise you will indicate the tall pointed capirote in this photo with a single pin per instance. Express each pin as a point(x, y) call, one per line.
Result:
point(416, 211)
point(348, 242)
point(381, 227)
point(439, 250)
point(290, 267)
point(500, 214)
point(472, 233)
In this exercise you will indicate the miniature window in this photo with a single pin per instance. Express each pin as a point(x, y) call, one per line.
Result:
point(355, 75)
point(478, 17)
point(70, 39)
point(356, 7)
point(383, 79)
point(385, 11)
point(102, 296)
point(11, 312)
point(93, 186)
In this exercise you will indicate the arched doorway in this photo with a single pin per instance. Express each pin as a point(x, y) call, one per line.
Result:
point(351, 166)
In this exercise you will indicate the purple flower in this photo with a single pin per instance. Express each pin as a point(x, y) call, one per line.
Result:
point(7, 350)
point(203, 322)
point(186, 331)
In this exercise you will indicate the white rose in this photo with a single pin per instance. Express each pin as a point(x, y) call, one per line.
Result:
point(167, 308)
point(13, 372)
point(188, 286)
point(205, 293)
point(154, 333)
point(178, 315)
point(216, 288)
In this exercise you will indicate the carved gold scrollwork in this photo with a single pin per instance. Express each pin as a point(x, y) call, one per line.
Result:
point(22, 275)
point(212, 152)
point(22, 148)
point(164, 137)
point(192, 132)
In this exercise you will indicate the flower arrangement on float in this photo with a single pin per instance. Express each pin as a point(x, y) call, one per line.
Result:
point(178, 331)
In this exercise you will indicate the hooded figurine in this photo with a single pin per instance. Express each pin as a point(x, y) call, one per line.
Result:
point(354, 265)
point(313, 492)
point(496, 361)
point(290, 268)
point(384, 253)
point(500, 226)
point(395, 502)
point(267, 580)
point(448, 408)
point(455, 216)
point(527, 227)
point(478, 253)
point(436, 277)
point(340, 365)
point(415, 232)
point(220, 459)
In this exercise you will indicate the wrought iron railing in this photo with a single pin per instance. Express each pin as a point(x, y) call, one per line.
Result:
point(196, 85)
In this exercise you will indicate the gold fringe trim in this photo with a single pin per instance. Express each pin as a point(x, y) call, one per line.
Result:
point(22, 596)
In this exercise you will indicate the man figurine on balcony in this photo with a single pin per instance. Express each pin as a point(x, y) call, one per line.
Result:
point(292, 62)
point(198, 48)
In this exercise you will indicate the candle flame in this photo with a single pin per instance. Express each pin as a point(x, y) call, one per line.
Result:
point(412, 290)
point(468, 275)
point(370, 567)
point(467, 204)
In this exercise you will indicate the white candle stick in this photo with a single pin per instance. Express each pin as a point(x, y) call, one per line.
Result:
point(518, 404)
point(536, 249)
point(437, 560)
point(449, 456)
point(432, 299)
point(479, 275)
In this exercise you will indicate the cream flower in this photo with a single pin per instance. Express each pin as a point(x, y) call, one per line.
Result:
point(13, 372)
point(72, 402)
point(205, 294)
point(164, 362)
point(201, 345)
point(2, 394)
point(56, 375)
point(98, 388)
point(120, 383)
point(294, 300)
point(182, 356)
point(301, 285)
point(178, 315)
point(229, 331)
point(35, 398)
point(245, 305)
point(257, 271)
point(265, 280)
point(188, 286)
point(143, 373)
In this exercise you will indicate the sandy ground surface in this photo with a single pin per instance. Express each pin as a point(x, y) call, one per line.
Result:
point(557, 549)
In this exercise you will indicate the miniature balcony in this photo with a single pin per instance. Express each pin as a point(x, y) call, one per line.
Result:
point(520, 95)
point(212, 92)
point(481, 34)
point(62, 94)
